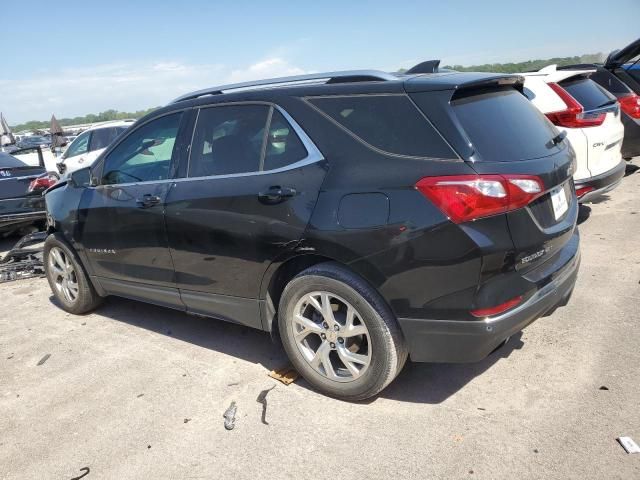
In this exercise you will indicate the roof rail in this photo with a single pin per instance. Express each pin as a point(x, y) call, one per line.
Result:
point(327, 77)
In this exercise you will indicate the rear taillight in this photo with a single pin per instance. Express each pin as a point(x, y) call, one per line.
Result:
point(582, 191)
point(503, 307)
point(468, 197)
point(630, 104)
point(43, 182)
point(573, 116)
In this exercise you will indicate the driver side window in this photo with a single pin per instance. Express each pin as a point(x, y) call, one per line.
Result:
point(145, 155)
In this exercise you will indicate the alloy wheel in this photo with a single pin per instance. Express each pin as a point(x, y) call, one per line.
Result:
point(63, 274)
point(331, 336)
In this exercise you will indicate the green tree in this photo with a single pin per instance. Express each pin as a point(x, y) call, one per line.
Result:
point(105, 116)
point(529, 65)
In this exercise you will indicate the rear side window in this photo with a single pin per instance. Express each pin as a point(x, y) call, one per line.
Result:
point(102, 138)
point(390, 123)
point(228, 140)
point(587, 92)
point(504, 126)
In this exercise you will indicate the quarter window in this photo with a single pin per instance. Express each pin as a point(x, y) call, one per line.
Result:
point(390, 123)
point(284, 147)
point(145, 155)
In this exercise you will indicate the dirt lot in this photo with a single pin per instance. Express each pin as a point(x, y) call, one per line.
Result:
point(135, 391)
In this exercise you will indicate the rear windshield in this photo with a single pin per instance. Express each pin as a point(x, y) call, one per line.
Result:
point(9, 161)
point(587, 92)
point(504, 126)
point(390, 123)
point(609, 81)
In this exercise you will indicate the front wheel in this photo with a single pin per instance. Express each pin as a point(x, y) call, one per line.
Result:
point(339, 333)
point(67, 279)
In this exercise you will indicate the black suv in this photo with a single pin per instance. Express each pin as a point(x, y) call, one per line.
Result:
point(360, 216)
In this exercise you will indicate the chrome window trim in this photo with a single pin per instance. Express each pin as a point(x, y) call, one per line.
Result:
point(313, 153)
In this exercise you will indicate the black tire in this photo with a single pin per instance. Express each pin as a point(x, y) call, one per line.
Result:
point(87, 298)
point(388, 348)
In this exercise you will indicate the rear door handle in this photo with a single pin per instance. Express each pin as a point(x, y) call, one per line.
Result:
point(277, 194)
point(148, 200)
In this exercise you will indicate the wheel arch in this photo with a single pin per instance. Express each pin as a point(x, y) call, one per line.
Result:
point(276, 278)
point(281, 272)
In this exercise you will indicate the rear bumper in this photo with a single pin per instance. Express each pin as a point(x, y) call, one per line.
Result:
point(462, 341)
point(602, 183)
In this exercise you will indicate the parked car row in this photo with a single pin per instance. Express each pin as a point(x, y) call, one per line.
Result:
point(361, 217)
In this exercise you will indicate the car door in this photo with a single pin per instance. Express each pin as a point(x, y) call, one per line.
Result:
point(122, 219)
point(252, 182)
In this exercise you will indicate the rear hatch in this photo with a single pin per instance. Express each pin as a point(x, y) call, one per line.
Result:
point(493, 126)
point(605, 137)
point(623, 63)
point(618, 58)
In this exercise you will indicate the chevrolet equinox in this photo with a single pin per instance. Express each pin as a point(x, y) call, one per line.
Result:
point(362, 217)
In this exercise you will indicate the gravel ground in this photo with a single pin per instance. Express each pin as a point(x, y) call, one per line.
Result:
point(135, 391)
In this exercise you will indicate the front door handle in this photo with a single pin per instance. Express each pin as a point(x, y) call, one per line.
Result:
point(276, 194)
point(148, 200)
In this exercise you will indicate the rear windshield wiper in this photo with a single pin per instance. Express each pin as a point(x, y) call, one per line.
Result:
point(558, 138)
point(610, 102)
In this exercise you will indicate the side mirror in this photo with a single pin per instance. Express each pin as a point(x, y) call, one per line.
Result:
point(82, 178)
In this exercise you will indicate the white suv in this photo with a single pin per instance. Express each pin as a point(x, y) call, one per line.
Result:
point(86, 147)
point(590, 116)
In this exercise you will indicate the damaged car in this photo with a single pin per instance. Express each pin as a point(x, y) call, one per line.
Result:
point(362, 217)
point(22, 208)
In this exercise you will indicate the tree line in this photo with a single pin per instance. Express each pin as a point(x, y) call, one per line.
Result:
point(105, 116)
point(530, 65)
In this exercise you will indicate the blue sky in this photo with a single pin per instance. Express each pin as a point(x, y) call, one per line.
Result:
point(128, 55)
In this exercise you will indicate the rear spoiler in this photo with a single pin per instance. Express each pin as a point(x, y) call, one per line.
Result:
point(462, 81)
point(553, 74)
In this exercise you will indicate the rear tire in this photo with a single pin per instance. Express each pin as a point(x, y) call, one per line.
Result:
point(67, 278)
point(339, 333)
